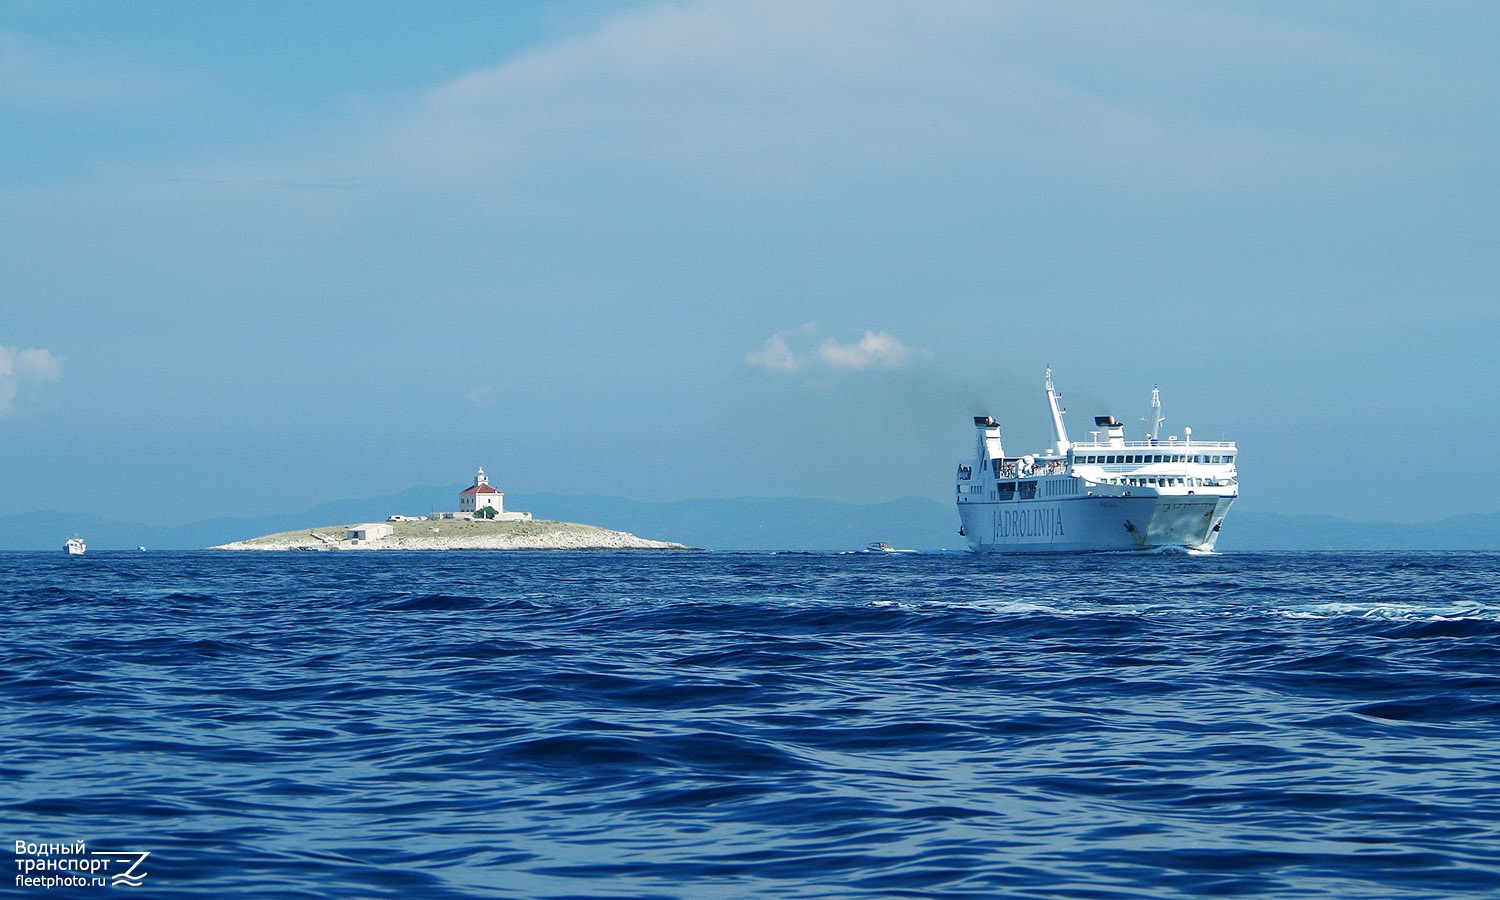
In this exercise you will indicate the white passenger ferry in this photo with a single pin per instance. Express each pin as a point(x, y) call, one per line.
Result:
point(1109, 494)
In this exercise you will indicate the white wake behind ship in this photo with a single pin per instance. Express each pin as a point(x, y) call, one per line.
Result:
point(1109, 494)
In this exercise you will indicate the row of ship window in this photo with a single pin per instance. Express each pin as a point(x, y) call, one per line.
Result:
point(1027, 490)
point(1165, 482)
point(1146, 458)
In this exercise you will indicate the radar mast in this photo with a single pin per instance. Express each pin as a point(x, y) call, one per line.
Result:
point(1155, 418)
point(1060, 433)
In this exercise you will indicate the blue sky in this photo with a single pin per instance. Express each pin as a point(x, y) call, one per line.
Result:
point(260, 256)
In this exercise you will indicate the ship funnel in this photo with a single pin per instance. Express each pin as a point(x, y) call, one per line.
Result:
point(987, 432)
point(1114, 429)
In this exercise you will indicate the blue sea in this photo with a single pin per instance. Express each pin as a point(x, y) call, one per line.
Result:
point(720, 725)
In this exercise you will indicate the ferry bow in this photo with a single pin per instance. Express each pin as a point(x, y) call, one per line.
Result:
point(1096, 495)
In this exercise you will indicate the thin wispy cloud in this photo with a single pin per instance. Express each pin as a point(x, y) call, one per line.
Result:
point(19, 369)
point(39, 75)
point(859, 89)
point(483, 396)
point(686, 86)
point(799, 350)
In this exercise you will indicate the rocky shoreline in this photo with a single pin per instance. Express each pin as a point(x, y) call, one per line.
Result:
point(457, 534)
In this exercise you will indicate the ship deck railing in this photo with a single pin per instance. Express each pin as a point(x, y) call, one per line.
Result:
point(1158, 444)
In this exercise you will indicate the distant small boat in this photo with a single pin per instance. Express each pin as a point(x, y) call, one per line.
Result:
point(883, 547)
point(75, 546)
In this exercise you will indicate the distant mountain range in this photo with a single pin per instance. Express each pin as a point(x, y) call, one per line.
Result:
point(745, 523)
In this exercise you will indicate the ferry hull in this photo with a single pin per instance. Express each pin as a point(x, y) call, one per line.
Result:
point(1095, 524)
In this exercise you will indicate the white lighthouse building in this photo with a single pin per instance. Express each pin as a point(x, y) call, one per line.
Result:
point(483, 500)
point(481, 495)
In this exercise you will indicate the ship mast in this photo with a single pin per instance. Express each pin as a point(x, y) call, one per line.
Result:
point(1058, 430)
point(1156, 418)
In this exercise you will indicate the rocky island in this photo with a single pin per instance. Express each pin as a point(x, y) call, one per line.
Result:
point(481, 523)
point(454, 534)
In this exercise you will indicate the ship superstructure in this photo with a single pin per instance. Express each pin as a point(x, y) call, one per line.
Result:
point(1107, 493)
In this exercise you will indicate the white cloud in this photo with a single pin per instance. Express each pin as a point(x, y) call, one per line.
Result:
point(875, 350)
point(19, 368)
point(775, 355)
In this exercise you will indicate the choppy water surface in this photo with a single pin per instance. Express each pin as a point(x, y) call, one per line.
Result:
point(719, 725)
